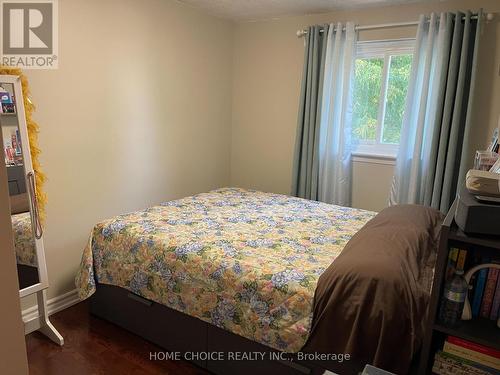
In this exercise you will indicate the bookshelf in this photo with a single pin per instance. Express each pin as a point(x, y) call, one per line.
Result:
point(479, 330)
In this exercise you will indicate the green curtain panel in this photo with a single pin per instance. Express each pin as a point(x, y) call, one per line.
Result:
point(458, 108)
point(434, 154)
point(306, 158)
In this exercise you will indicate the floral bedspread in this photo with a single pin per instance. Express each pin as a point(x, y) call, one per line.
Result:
point(24, 242)
point(243, 260)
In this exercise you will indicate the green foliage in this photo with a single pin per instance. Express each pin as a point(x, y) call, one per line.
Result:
point(367, 94)
point(397, 88)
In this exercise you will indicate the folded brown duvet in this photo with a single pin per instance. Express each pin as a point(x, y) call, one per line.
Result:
point(372, 300)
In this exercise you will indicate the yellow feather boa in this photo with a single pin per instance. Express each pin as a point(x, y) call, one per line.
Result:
point(33, 130)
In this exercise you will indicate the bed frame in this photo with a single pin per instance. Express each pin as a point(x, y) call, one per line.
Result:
point(175, 331)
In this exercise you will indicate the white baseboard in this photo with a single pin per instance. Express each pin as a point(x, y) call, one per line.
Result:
point(53, 305)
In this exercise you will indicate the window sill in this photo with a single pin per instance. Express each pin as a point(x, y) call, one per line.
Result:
point(373, 158)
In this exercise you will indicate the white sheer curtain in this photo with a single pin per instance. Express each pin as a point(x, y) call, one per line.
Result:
point(336, 113)
point(422, 120)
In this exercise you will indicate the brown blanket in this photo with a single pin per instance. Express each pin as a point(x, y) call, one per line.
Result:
point(372, 300)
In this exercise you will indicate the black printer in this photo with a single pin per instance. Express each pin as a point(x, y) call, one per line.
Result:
point(477, 216)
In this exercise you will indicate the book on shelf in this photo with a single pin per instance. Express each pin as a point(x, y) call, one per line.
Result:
point(474, 346)
point(467, 353)
point(479, 290)
point(449, 364)
point(462, 255)
point(16, 134)
point(495, 306)
point(489, 292)
point(452, 262)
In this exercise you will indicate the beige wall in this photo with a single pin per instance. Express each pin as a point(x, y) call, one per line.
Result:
point(137, 113)
point(372, 179)
point(268, 60)
point(12, 346)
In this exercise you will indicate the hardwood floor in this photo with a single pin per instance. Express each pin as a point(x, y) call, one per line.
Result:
point(94, 346)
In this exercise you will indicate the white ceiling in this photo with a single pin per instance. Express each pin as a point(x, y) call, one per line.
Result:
point(246, 10)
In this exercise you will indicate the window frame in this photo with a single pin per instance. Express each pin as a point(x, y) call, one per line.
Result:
point(381, 49)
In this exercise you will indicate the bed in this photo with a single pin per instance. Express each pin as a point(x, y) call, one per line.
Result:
point(267, 271)
point(24, 242)
point(24, 245)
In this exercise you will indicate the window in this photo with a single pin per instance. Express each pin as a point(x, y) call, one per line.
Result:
point(382, 72)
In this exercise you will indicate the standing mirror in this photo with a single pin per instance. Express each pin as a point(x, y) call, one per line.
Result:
point(32, 273)
point(26, 224)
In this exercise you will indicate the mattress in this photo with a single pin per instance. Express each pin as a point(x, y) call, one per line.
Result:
point(24, 242)
point(243, 260)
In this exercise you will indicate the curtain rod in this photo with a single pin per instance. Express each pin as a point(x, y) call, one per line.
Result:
point(303, 32)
